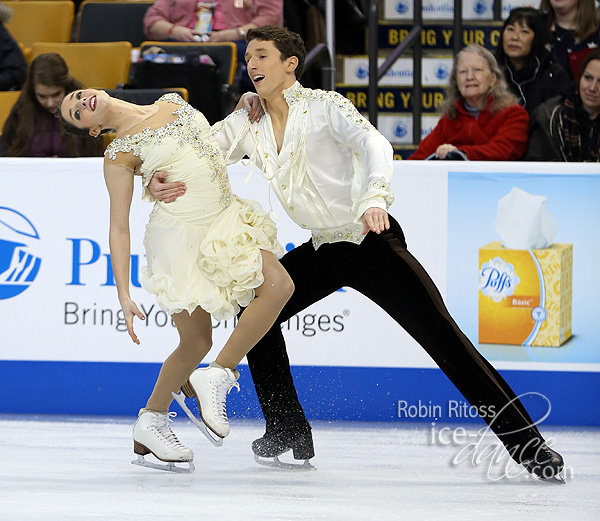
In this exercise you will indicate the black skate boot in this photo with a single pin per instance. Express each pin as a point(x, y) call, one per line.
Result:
point(272, 446)
point(546, 464)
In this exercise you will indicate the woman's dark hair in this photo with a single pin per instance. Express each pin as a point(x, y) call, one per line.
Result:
point(594, 54)
point(285, 41)
point(50, 70)
point(71, 129)
point(67, 126)
point(533, 19)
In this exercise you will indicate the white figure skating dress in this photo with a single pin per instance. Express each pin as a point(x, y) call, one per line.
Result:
point(204, 248)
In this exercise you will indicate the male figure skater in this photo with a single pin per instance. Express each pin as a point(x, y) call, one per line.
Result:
point(331, 169)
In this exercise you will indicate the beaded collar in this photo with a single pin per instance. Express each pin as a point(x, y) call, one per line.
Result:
point(185, 131)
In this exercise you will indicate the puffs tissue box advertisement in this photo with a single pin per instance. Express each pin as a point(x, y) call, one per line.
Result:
point(525, 281)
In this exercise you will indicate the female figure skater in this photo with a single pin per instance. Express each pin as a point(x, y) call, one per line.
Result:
point(209, 253)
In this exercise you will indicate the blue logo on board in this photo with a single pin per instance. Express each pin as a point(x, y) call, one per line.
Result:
point(18, 266)
point(480, 7)
point(442, 72)
point(402, 7)
point(400, 130)
point(362, 72)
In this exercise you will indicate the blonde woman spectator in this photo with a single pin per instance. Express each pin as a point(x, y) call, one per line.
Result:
point(481, 120)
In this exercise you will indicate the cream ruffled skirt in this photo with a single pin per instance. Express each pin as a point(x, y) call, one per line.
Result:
point(216, 267)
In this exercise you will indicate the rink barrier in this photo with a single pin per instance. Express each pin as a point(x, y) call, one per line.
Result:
point(326, 393)
point(64, 350)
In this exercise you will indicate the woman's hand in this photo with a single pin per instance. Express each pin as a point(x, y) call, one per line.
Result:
point(130, 310)
point(443, 150)
point(253, 105)
point(183, 34)
point(226, 35)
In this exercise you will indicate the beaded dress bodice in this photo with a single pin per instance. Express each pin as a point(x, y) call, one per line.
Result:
point(186, 150)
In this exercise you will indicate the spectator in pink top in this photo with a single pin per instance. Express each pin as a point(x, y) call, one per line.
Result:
point(176, 19)
point(231, 20)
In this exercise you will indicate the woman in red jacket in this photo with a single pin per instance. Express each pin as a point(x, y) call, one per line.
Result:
point(481, 119)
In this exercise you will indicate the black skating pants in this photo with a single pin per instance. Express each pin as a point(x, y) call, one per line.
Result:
point(382, 269)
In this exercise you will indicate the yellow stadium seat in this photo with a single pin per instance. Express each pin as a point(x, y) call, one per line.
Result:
point(99, 65)
point(7, 101)
point(40, 21)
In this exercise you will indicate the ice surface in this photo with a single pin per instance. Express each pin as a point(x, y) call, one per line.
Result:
point(66, 468)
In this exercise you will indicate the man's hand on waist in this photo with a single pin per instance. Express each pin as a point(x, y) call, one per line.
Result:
point(163, 191)
point(375, 220)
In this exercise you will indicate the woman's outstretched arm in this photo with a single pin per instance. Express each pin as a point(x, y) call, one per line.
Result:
point(119, 181)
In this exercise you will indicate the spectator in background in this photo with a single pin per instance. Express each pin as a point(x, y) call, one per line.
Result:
point(568, 128)
point(480, 119)
point(231, 19)
point(574, 30)
point(12, 62)
point(530, 70)
point(31, 129)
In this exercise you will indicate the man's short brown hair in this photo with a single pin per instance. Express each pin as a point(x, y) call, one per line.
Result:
point(286, 42)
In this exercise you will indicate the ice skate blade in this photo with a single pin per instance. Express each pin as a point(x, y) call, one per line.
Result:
point(180, 399)
point(168, 466)
point(556, 480)
point(275, 462)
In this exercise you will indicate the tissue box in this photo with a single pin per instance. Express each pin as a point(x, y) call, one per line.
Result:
point(525, 296)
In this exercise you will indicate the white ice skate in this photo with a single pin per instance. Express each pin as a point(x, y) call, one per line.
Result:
point(215, 440)
point(153, 435)
point(210, 386)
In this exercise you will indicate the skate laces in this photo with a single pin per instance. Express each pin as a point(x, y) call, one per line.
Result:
point(544, 454)
point(161, 423)
point(223, 388)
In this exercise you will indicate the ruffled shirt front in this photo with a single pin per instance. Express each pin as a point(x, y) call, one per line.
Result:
point(332, 167)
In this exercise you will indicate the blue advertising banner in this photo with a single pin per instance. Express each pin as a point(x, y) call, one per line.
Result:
point(572, 201)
